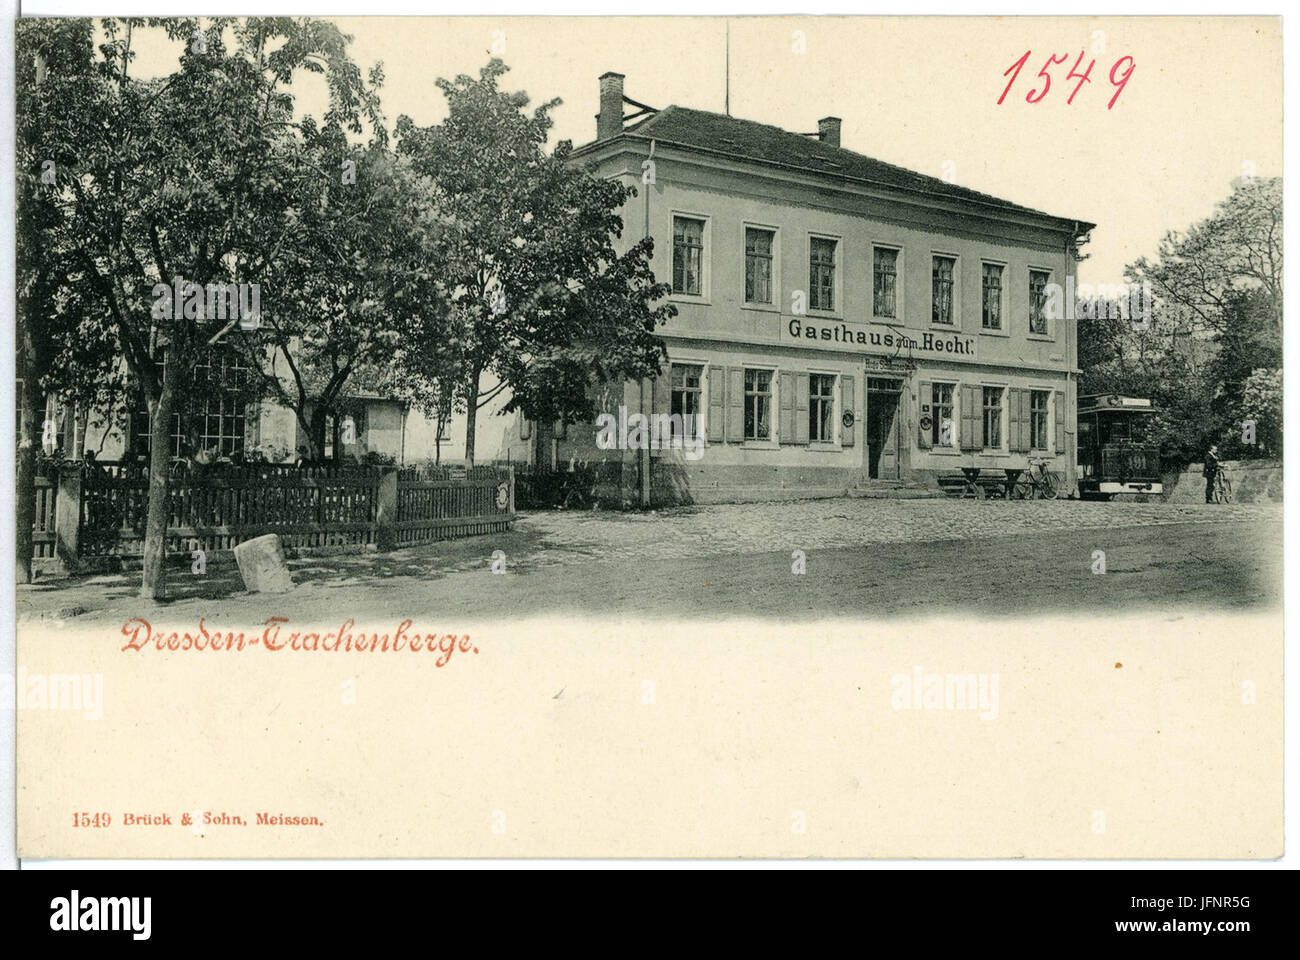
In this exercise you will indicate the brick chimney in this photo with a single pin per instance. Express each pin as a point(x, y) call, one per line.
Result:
point(828, 130)
point(609, 122)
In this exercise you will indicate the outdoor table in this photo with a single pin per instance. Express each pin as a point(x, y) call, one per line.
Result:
point(1012, 477)
point(972, 477)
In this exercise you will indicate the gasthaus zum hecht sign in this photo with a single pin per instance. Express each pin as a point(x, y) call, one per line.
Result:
point(876, 338)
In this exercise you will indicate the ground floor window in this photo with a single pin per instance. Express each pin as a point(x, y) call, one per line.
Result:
point(758, 404)
point(941, 425)
point(686, 380)
point(992, 418)
point(821, 407)
point(210, 410)
point(1038, 400)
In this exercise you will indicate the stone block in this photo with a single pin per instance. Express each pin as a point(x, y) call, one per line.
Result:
point(261, 564)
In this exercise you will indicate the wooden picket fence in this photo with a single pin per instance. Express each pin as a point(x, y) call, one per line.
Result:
point(310, 507)
point(441, 504)
point(43, 535)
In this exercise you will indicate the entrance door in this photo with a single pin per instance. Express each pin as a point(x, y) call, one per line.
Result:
point(882, 427)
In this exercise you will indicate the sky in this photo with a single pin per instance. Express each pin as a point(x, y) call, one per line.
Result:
point(1202, 106)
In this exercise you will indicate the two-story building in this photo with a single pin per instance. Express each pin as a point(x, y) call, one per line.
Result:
point(842, 322)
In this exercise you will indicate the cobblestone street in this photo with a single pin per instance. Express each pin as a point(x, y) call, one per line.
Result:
point(570, 537)
point(864, 555)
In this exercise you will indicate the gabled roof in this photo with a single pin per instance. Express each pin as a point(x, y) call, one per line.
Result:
point(749, 140)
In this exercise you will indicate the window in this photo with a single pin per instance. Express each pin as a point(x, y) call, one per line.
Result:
point(141, 422)
point(821, 274)
point(688, 255)
point(758, 265)
point(758, 404)
point(942, 430)
point(884, 283)
point(209, 412)
point(219, 378)
point(992, 296)
point(941, 290)
point(686, 379)
point(992, 418)
point(821, 407)
point(1038, 280)
point(1038, 400)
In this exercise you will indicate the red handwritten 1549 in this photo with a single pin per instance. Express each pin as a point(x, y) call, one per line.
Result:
point(1043, 82)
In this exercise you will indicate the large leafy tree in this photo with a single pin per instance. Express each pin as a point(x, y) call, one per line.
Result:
point(1217, 290)
point(1237, 248)
point(352, 278)
point(539, 298)
point(182, 179)
point(58, 353)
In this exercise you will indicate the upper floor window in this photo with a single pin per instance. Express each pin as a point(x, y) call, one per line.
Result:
point(821, 273)
point(821, 407)
point(992, 307)
point(758, 265)
point(884, 283)
point(1038, 280)
point(688, 255)
point(941, 289)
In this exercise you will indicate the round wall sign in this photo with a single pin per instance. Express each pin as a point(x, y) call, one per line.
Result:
point(926, 423)
point(847, 419)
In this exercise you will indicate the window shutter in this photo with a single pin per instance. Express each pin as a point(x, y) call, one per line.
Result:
point(801, 408)
point(1059, 408)
point(735, 405)
point(1014, 422)
point(786, 388)
point(661, 395)
point(717, 409)
point(848, 401)
point(1026, 416)
point(924, 395)
point(970, 413)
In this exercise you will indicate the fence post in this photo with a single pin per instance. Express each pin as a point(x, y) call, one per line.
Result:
point(511, 468)
point(386, 520)
point(67, 517)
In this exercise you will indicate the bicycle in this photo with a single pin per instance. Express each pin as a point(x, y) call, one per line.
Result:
point(1037, 482)
point(1222, 487)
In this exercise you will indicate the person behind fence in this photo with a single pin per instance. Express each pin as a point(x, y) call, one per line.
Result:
point(1211, 472)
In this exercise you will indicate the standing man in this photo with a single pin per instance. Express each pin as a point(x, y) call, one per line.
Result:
point(1211, 472)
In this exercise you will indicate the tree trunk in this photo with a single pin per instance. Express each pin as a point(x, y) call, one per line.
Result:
point(471, 417)
point(317, 435)
point(153, 586)
point(32, 405)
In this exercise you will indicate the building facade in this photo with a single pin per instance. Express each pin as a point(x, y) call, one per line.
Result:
point(219, 418)
point(841, 322)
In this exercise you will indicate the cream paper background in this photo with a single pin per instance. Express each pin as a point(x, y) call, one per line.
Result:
point(543, 744)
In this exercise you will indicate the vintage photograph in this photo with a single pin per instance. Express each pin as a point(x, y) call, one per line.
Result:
point(338, 336)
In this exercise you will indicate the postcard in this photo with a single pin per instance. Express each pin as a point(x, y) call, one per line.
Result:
point(649, 437)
